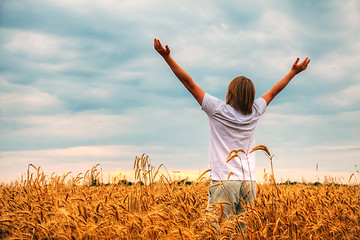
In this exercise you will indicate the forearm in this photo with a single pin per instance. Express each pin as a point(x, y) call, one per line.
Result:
point(180, 73)
point(185, 79)
point(280, 85)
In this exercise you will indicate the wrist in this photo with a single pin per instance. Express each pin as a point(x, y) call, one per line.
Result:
point(166, 57)
point(292, 73)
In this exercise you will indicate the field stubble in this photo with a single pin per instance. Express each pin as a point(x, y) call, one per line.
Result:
point(157, 207)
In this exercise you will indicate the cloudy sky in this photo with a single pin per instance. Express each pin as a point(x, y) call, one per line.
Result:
point(81, 84)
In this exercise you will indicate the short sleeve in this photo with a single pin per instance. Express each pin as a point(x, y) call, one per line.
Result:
point(210, 104)
point(260, 105)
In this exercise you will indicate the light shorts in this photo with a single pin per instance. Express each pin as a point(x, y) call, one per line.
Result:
point(239, 194)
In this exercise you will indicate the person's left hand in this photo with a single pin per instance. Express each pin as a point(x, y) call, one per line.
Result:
point(159, 48)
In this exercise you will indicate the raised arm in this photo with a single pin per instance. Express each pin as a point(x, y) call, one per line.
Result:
point(180, 73)
point(279, 86)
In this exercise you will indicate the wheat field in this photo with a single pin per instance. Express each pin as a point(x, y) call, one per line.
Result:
point(158, 207)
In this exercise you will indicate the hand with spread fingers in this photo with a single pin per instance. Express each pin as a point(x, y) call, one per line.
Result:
point(297, 68)
point(160, 49)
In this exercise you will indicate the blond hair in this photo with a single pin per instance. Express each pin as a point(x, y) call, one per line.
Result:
point(241, 94)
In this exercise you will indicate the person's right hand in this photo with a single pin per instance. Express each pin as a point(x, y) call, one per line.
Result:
point(159, 48)
point(297, 68)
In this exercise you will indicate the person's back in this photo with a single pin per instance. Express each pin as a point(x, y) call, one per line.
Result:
point(230, 130)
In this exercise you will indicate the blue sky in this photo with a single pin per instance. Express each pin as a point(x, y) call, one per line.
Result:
point(81, 84)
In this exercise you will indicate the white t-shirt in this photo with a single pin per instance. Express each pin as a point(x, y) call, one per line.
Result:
point(231, 130)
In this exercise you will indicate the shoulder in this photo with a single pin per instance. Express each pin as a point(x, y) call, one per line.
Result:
point(211, 104)
point(260, 105)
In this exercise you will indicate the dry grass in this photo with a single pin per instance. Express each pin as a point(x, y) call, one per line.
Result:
point(65, 207)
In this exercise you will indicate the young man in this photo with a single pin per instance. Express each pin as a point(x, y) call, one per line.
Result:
point(232, 125)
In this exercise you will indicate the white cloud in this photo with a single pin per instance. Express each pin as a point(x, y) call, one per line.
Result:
point(127, 9)
point(270, 47)
point(16, 99)
point(83, 152)
point(350, 16)
point(37, 44)
point(273, 118)
point(32, 102)
point(337, 147)
point(32, 43)
point(340, 64)
point(146, 124)
point(345, 98)
point(287, 31)
point(337, 66)
point(80, 126)
point(302, 141)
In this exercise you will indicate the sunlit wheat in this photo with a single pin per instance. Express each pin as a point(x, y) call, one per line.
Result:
point(157, 207)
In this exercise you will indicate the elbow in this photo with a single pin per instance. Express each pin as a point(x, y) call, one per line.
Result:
point(188, 84)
